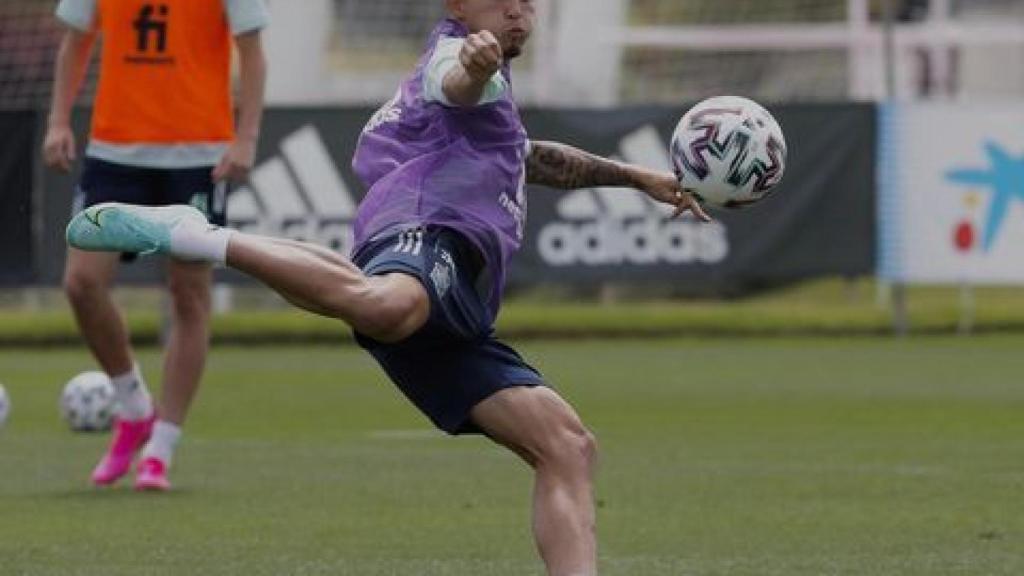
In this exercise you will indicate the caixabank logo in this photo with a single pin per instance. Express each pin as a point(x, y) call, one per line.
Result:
point(298, 194)
point(998, 186)
point(611, 226)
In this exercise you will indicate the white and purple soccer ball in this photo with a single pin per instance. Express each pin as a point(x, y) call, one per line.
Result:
point(5, 406)
point(87, 402)
point(728, 151)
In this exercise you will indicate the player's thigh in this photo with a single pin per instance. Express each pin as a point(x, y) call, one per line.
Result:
point(103, 181)
point(535, 422)
point(434, 269)
point(195, 186)
point(85, 271)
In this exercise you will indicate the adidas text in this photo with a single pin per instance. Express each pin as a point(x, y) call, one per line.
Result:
point(634, 241)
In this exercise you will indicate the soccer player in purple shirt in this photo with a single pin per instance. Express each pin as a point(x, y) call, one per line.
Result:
point(446, 161)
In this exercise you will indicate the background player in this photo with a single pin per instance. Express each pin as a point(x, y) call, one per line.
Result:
point(446, 162)
point(162, 133)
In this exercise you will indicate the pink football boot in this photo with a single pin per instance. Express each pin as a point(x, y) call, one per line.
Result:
point(152, 475)
point(129, 436)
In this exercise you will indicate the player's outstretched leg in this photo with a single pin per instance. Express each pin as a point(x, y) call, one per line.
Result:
point(544, 430)
point(387, 308)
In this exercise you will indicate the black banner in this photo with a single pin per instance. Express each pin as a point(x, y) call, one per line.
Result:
point(819, 222)
point(17, 132)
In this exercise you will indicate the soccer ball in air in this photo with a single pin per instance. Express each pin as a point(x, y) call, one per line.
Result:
point(5, 406)
point(87, 403)
point(728, 151)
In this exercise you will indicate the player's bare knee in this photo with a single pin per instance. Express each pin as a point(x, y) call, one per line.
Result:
point(590, 451)
point(81, 287)
point(190, 300)
point(571, 449)
point(391, 319)
point(389, 315)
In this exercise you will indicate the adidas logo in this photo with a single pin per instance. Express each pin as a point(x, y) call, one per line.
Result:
point(602, 226)
point(298, 194)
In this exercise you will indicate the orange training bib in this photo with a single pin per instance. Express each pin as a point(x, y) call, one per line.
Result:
point(165, 72)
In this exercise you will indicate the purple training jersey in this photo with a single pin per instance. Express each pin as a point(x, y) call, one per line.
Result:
point(461, 168)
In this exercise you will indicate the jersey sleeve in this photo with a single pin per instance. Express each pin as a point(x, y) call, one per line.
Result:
point(246, 15)
point(446, 57)
point(78, 14)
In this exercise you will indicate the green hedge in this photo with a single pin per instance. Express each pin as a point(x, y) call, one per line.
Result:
point(829, 307)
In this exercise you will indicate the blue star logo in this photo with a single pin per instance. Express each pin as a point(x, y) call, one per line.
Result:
point(1005, 179)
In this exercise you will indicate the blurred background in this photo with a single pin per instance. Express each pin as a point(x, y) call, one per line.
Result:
point(756, 412)
point(605, 53)
point(855, 83)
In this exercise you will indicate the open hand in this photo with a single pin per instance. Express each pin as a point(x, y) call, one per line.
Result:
point(237, 162)
point(666, 188)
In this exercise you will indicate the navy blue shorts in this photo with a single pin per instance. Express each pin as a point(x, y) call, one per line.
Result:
point(454, 361)
point(104, 181)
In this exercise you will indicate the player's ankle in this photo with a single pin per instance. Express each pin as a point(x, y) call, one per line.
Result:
point(193, 240)
point(133, 399)
point(162, 442)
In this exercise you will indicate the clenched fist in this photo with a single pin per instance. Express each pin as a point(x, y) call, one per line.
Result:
point(481, 55)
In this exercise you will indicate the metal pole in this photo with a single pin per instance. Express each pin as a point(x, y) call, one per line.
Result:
point(940, 12)
point(900, 318)
point(889, 49)
point(544, 44)
point(858, 49)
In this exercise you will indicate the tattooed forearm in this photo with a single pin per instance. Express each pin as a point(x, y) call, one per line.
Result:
point(561, 166)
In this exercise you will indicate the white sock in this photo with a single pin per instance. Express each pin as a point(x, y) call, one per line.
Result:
point(161, 444)
point(195, 240)
point(133, 400)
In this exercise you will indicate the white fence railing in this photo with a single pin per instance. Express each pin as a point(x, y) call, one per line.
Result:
point(582, 55)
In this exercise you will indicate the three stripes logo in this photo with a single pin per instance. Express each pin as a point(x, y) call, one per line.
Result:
point(410, 242)
point(298, 194)
point(606, 226)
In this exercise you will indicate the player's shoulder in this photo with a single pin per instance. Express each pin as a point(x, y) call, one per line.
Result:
point(246, 15)
point(448, 46)
point(78, 14)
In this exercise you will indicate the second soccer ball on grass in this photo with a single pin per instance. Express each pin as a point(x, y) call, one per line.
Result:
point(87, 402)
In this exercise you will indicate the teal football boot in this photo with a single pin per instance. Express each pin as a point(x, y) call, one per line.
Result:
point(115, 227)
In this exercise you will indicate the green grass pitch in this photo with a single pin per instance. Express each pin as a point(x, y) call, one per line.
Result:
point(865, 456)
